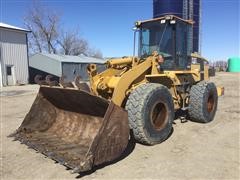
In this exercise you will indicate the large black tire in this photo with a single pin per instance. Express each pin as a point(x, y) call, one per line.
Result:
point(150, 113)
point(203, 102)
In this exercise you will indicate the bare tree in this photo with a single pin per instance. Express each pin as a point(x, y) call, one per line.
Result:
point(35, 43)
point(72, 44)
point(92, 52)
point(44, 26)
point(47, 36)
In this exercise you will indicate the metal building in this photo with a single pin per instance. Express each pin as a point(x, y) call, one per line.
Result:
point(13, 55)
point(186, 9)
point(62, 65)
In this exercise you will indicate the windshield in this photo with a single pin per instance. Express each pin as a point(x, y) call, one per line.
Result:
point(155, 36)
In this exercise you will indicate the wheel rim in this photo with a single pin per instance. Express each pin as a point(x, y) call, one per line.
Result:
point(159, 115)
point(210, 103)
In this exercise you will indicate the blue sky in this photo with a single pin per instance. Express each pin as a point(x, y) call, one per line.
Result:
point(107, 24)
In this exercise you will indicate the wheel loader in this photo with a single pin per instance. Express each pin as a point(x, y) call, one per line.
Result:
point(85, 127)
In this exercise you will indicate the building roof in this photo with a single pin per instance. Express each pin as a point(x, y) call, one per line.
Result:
point(7, 26)
point(73, 59)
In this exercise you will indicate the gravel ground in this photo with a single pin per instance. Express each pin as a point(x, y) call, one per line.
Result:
point(193, 151)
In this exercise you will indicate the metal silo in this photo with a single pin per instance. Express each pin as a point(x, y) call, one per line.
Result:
point(163, 7)
point(186, 9)
point(196, 26)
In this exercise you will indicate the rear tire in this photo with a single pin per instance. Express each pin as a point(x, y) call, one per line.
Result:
point(150, 113)
point(203, 102)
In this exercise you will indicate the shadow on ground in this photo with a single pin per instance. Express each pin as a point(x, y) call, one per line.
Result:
point(182, 115)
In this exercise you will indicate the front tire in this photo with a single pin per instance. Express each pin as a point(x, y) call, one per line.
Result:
point(203, 102)
point(150, 113)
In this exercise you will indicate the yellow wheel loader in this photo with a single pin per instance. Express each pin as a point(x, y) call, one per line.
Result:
point(83, 127)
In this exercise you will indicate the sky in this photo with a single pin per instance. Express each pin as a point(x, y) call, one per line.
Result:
point(107, 24)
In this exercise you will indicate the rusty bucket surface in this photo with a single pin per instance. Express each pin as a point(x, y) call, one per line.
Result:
point(75, 128)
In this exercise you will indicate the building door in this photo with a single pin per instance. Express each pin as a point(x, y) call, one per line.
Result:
point(10, 75)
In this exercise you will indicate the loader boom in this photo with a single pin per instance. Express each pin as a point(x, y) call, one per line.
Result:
point(120, 77)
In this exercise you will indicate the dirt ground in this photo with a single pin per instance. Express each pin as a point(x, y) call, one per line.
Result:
point(193, 151)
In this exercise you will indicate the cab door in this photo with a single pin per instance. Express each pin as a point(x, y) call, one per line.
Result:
point(182, 49)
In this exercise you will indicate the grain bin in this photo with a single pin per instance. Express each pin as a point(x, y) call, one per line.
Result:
point(234, 64)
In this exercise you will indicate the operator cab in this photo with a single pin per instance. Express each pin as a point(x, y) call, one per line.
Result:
point(169, 36)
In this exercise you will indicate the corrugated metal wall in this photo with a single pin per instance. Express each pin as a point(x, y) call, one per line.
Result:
point(71, 70)
point(14, 52)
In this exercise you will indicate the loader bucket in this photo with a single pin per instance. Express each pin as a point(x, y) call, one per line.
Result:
point(75, 128)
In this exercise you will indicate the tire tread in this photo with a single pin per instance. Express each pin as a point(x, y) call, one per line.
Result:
point(196, 101)
point(135, 105)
